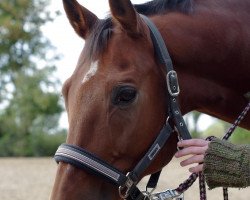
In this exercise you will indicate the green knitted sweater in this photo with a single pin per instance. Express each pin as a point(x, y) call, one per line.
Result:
point(227, 165)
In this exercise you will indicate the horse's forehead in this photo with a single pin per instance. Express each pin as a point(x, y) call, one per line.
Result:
point(94, 65)
point(122, 54)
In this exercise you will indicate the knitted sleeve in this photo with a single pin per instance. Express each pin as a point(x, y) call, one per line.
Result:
point(227, 165)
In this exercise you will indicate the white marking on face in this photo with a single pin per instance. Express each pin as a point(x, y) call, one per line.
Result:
point(92, 71)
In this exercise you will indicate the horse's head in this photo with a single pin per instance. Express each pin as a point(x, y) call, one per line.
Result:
point(116, 99)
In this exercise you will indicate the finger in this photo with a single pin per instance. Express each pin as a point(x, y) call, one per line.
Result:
point(192, 142)
point(196, 169)
point(191, 151)
point(194, 159)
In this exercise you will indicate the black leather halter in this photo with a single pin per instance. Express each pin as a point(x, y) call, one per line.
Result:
point(127, 183)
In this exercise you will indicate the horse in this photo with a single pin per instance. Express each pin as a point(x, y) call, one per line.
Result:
point(116, 99)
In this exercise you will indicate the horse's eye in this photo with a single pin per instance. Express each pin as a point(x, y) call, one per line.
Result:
point(123, 95)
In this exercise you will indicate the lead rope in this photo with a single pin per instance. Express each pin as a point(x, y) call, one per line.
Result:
point(192, 178)
point(228, 135)
point(202, 186)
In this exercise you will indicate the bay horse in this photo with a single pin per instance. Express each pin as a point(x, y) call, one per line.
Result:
point(116, 98)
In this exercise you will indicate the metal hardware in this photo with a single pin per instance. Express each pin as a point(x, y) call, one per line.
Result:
point(172, 83)
point(247, 96)
point(180, 139)
point(148, 193)
point(167, 120)
point(167, 195)
point(125, 189)
point(123, 194)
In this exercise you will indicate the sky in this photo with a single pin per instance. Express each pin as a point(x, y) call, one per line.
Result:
point(69, 45)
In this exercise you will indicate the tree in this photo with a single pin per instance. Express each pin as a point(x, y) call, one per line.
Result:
point(29, 101)
point(241, 136)
point(220, 128)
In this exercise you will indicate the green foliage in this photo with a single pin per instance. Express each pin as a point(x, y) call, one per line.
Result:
point(219, 129)
point(45, 144)
point(241, 136)
point(29, 102)
point(37, 144)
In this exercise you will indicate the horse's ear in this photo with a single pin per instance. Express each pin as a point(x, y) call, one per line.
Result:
point(81, 19)
point(125, 15)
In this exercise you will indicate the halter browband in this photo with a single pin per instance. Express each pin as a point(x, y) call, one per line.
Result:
point(83, 159)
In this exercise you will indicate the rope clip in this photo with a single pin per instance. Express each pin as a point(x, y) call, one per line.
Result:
point(167, 195)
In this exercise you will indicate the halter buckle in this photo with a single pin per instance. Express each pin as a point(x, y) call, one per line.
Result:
point(172, 83)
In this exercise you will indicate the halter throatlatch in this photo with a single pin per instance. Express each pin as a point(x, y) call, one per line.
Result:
point(127, 183)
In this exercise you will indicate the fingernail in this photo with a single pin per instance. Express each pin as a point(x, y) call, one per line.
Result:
point(191, 169)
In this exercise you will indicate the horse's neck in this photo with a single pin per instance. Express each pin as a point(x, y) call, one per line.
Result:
point(198, 44)
point(206, 64)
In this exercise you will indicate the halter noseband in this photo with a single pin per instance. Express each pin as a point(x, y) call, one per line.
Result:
point(127, 183)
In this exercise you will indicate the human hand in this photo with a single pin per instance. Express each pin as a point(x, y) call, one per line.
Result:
point(196, 148)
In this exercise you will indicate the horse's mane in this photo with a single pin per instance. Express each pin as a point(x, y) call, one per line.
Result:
point(164, 6)
point(103, 30)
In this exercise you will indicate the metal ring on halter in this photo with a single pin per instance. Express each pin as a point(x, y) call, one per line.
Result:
point(167, 120)
point(127, 187)
point(121, 194)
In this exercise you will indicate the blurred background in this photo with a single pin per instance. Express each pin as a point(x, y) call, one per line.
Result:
point(38, 51)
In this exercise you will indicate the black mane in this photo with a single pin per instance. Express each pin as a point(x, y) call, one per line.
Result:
point(103, 30)
point(99, 38)
point(163, 6)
